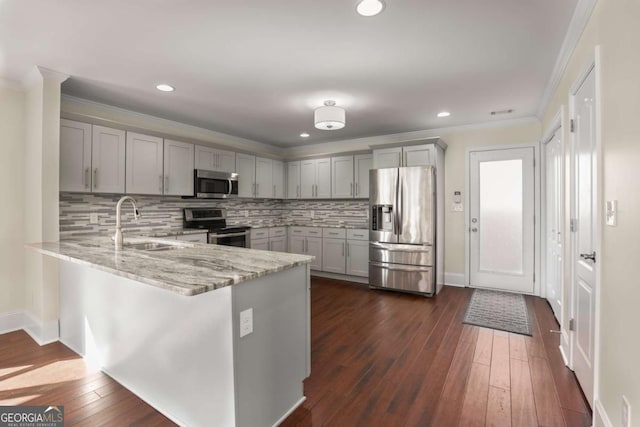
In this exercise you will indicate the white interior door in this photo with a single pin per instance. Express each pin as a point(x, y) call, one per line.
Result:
point(501, 227)
point(584, 236)
point(553, 222)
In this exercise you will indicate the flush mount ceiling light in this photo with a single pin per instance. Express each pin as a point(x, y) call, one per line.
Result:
point(369, 7)
point(329, 117)
point(304, 135)
point(444, 114)
point(165, 87)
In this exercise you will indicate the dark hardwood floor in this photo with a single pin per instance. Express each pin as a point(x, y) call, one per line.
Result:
point(377, 359)
point(387, 359)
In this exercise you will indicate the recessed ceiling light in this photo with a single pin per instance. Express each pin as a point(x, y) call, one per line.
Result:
point(304, 135)
point(165, 87)
point(370, 7)
point(444, 114)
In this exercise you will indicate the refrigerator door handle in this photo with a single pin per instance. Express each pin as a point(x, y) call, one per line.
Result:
point(396, 207)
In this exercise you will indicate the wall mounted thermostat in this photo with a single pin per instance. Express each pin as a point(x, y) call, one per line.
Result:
point(457, 201)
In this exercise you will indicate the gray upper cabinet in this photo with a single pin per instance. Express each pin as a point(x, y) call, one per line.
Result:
point(214, 159)
point(92, 158)
point(293, 180)
point(413, 155)
point(315, 179)
point(178, 168)
point(246, 169)
point(144, 164)
point(264, 178)
point(387, 158)
point(108, 160)
point(278, 179)
point(342, 185)
point(419, 155)
point(75, 156)
point(362, 163)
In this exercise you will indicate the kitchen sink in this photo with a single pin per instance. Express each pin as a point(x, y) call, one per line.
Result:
point(152, 246)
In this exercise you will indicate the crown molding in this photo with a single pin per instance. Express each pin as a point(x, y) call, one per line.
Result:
point(39, 74)
point(201, 135)
point(369, 142)
point(578, 23)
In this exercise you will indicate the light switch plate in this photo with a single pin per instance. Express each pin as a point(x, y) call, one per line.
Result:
point(246, 322)
point(612, 213)
point(93, 218)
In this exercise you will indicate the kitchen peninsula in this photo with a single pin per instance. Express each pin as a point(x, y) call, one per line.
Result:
point(163, 318)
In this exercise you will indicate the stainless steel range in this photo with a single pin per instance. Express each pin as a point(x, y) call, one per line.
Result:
point(215, 221)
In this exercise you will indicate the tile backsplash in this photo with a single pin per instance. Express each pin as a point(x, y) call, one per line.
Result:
point(159, 213)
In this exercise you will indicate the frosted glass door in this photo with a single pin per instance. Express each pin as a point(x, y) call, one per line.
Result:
point(501, 229)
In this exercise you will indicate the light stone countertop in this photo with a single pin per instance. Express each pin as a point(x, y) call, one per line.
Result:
point(192, 269)
point(346, 227)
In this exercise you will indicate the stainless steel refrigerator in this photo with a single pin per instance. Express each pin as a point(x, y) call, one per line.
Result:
point(402, 235)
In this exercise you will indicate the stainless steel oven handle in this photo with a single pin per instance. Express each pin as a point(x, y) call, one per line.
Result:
point(217, 236)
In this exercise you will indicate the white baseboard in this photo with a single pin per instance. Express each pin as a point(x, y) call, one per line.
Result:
point(11, 321)
point(290, 411)
point(42, 332)
point(454, 279)
point(565, 359)
point(600, 417)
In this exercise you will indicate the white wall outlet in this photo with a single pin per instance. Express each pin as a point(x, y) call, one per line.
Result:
point(93, 218)
point(612, 213)
point(626, 413)
point(312, 214)
point(246, 322)
point(457, 207)
point(246, 214)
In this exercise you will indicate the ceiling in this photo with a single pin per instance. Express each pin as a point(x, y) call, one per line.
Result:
point(256, 69)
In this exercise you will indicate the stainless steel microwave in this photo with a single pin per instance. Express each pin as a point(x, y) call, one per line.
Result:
point(214, 185)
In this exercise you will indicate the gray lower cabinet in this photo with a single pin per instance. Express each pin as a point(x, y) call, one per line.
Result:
point(262, 244)
point(357, 263)
point(334, 255)
point(307, 241)
point(278, 244)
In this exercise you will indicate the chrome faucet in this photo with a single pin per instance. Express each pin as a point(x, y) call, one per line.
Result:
point(136, 213)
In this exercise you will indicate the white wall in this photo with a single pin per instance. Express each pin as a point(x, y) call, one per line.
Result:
point(12, 102)
point(614, 26)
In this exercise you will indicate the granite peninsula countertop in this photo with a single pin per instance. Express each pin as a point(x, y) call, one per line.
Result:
point(192, 269)
point(345, 226)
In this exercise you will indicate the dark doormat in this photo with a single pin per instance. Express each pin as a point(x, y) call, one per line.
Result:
point(498, 310)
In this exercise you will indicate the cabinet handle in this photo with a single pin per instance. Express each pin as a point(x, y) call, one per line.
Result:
point(86, 178)
point(351, 190)
point(343, 249)
point(306, 246)
point(166, 183)
point(95, 178)
point(357, 192)
point(217, 160)
point(160, 183)
point(347, 251)
point(404, 163)
point(298, 192)
point(274, 190)
point(257, 189)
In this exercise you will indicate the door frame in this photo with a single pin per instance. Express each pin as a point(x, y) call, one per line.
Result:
point(536, 208)
point(594, 64)
point(559, 122)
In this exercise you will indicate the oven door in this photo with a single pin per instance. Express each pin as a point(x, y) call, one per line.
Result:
point(215, 185)
point(231, 239)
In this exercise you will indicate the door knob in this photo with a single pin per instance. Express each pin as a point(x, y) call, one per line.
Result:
point(591, 256)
